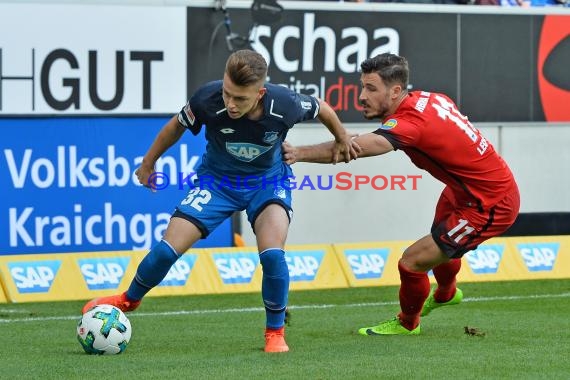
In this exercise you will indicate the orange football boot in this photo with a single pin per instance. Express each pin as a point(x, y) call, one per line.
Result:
point(118, 300)
point(275, 340)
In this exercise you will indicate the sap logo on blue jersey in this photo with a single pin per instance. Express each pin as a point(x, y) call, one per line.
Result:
point(103, 273)
point(486, 258)
point(539, 256)
point(245, 151)
point(34, 276)
point(180, 272)
point(304, 265)
point(367, 263)
point(236, 268)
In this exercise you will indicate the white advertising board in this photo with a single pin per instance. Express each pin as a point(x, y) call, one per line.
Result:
point(91, 59)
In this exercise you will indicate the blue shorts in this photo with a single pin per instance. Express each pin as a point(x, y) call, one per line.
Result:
point(209, 204)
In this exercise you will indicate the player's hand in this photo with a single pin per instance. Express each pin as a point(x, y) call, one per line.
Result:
point(357, 148)
point(145, 175)
point(347, 148)
point(289, 153)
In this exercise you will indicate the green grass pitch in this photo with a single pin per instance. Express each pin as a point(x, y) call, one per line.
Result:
point(526, 326)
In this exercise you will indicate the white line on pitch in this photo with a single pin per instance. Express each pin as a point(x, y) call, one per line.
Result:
point(15, 311)
point(292, 307)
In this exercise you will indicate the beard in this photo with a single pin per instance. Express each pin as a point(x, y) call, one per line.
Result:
point(370, 114)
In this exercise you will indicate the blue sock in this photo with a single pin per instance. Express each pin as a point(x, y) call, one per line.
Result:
point(274, 286)
point(152, 269)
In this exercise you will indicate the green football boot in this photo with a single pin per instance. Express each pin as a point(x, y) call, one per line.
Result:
point(390, 327)
point(431, 303)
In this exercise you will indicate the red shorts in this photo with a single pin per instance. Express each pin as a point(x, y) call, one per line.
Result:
point(458, 228)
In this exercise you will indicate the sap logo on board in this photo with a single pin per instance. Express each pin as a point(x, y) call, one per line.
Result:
point(103, 273)
point(539, 256)
point(367, 263)
point(180, 272)
point(34, 276)
point(304, 265)
point(236, 268)
point(486, 258)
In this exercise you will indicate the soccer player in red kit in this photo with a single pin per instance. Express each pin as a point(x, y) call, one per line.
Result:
point(480, 199)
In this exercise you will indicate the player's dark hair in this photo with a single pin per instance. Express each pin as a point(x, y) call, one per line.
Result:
point(390, 67)
point(246, 67)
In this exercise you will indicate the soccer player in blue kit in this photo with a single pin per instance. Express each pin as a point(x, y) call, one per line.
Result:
point(246, 121)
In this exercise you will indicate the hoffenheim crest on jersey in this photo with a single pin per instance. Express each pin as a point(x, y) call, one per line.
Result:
point(270, 137)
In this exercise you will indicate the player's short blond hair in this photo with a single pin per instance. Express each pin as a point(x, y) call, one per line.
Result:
point(246, 67)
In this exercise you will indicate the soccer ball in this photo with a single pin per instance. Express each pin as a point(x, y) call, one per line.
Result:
point(104, 329)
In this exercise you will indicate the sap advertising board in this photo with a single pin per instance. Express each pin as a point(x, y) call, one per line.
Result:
point(71, 141)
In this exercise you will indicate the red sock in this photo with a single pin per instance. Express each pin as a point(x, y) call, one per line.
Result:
point(414, 290)
point(445, 275)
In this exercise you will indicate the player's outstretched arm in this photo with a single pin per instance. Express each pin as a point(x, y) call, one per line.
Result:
point(369, 144)
point(372, 144)
point(168, 136)
point(343, 148)
point(320, 153)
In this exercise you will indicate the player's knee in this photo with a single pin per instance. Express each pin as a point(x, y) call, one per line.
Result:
point(419, 263)
point(273, 262)
point(413, 265)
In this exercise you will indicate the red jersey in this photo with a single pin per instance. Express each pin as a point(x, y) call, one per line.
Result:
point(429, 128)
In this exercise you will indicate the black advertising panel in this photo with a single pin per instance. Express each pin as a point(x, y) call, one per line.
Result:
point(537, 110)
point(429, 42)
point(495, 63)
point(498, 67)
point(318, 52)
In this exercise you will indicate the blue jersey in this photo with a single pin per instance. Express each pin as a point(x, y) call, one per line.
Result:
point(237, 148)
